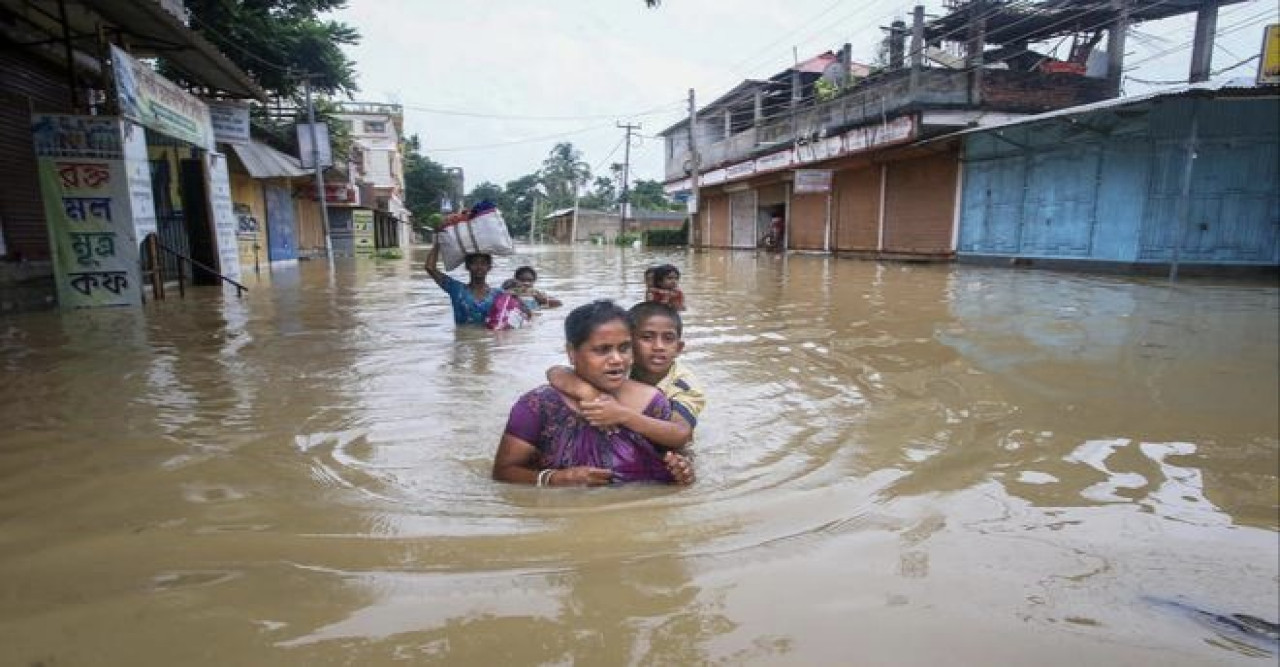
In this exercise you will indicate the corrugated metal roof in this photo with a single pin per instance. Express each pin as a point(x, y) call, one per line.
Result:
point(263, 161)
point(1228, 86)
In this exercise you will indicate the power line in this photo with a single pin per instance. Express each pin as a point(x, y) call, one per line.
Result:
point(517, 142)
point(652, 111)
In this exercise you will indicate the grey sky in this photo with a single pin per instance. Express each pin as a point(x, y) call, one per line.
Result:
point(592, 63)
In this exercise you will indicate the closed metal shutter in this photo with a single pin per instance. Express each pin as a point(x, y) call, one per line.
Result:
point(856, 210)
point(26, 85)
point(919, 206)
point(718, 209)
point(807, 228)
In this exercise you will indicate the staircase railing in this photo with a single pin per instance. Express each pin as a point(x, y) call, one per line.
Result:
point(155, 247)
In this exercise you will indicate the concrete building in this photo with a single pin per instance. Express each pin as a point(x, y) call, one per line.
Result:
point(1111, 184)
point(602, 227)
point(377, 173)
point(855, 159)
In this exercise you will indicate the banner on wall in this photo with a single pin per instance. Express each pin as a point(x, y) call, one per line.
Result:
point(812, 181)
point(223, 213)
point(158, 103)
point(88, 198)
point(362, 231)
point(230, 119)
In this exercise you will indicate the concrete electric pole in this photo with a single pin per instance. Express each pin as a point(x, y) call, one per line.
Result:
point(625, 200)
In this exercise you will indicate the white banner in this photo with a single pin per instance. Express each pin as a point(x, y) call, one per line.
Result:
point(304, 145)
point(230, 121)
point(223, 212)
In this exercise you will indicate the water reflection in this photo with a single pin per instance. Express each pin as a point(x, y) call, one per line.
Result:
point(302, 476)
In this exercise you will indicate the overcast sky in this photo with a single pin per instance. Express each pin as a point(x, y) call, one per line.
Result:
point(535, 72)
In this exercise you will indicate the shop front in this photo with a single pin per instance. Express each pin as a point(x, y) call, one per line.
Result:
point(136, 199)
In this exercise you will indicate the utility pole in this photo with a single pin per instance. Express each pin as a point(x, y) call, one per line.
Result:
point(315, 162)
point(694, 168)
point(626, 174)
point(1115, 46)
point(917, 46)
point(1202, 47)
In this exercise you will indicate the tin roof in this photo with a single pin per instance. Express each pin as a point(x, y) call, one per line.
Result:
point(263, 161)
point(1231, 87)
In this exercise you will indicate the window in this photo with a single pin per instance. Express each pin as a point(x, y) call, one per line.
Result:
point(375, 126)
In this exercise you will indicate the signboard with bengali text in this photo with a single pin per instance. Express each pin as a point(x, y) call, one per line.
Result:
point(222, 211)
point(88, 208)
point(230, 119)
point(157, 103)
point(812, 181)
point(362, 231)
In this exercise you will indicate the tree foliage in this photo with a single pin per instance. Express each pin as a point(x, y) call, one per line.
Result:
point(275, 41)
point(564, 173)
point(425, 184)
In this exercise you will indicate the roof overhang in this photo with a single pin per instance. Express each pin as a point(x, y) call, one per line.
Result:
point(263, 161)
point(151, 32)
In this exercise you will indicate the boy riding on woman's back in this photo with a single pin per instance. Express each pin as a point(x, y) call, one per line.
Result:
point(656, 336)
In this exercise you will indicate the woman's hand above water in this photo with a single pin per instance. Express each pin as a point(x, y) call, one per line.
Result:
point(681, 468)
point(581, 476)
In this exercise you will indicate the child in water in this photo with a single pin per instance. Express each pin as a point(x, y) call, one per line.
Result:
point(522, 285)
point(663, 286)
point(656, 341)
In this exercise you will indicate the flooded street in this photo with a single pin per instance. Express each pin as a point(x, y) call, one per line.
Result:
point(900, 464)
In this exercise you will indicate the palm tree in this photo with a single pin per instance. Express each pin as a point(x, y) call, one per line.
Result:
point(564, 173)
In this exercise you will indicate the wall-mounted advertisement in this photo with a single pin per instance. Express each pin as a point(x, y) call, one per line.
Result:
point(86, 191)
point(362, 231)
point(230, 120)
point(157, 103)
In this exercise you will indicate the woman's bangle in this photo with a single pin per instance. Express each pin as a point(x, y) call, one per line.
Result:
point(544, 476)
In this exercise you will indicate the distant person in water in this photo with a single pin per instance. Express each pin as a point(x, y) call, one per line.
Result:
point(548, 441)
point(471, 301)
point(523, 287)
point(664, 286)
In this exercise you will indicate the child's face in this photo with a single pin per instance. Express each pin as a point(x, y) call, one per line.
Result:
point(526, 280)
point(656, 344)
point(670, 281)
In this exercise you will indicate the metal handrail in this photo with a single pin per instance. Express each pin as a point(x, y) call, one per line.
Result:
point(181, 288)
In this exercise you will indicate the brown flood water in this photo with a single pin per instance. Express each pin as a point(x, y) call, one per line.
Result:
point(900, 465)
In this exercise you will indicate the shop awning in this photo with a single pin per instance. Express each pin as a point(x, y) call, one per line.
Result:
point(151, 31)
point(263, 161)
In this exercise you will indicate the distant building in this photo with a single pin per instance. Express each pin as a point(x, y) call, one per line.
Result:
point(602, 227)
point(867, 161)
point(376, 171)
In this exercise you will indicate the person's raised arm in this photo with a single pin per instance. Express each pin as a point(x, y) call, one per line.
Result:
point(546, 301)
point(567, 382)
point(432, 263)
point(605, 411)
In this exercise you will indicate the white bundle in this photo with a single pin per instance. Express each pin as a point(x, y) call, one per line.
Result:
point(486, 233)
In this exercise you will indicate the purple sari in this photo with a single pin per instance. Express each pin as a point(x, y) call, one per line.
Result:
point(564, 439)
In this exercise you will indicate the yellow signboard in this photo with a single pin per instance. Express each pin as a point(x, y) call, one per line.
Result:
point(1269, 68)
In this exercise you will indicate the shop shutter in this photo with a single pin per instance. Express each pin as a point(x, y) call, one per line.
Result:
point(807, 228)
point(25, 85)
point(855, 215)
point(920, 204)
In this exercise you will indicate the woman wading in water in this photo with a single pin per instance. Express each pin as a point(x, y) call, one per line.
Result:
point(548, 442)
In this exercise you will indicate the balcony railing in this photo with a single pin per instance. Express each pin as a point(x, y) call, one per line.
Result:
point(892, 95)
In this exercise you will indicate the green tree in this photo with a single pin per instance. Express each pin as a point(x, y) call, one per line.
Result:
point(603, 195)
point(275, 41)
point(522, 194)
point(563, 174)
point(649, 196)
point(425, 184)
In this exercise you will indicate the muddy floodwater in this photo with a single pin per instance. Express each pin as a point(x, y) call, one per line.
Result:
point(901, 464)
